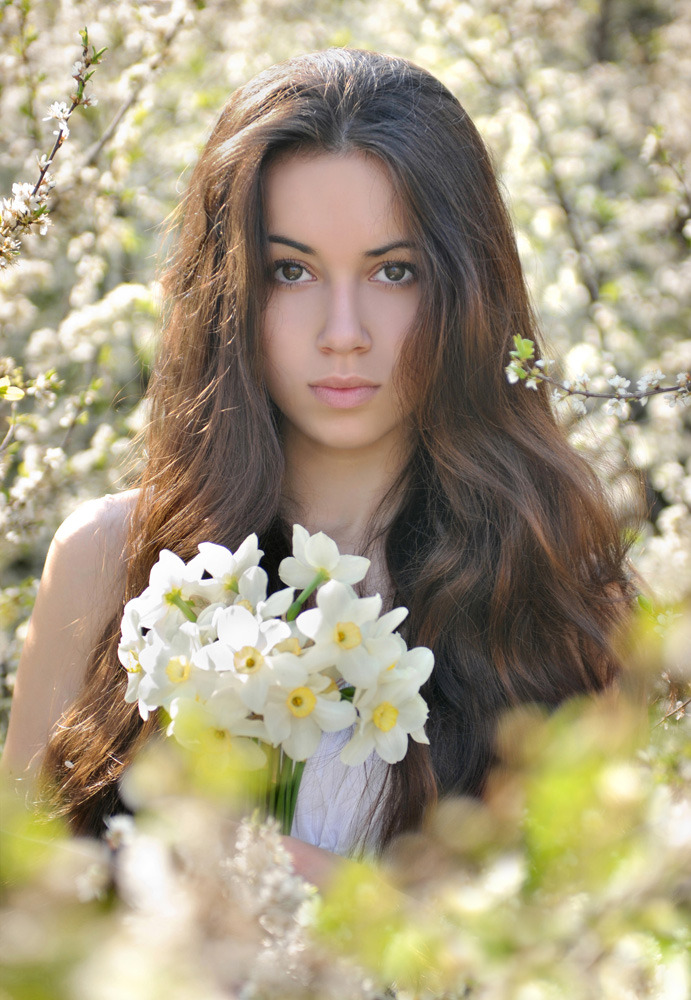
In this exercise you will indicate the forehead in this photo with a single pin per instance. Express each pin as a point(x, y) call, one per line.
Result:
point(324, 195)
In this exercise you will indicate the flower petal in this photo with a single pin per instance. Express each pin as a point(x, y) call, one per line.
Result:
point(237, 627)
point(277, 604)
point(391, 746)
point(252, 585)
point(295, 574)
point(303, 740)
point(248, 554)
point(333, 716)
point(358, 749)
point(412, 714)
point(321, 552)
point(217, 559)
point(335, 601)
point(390, 621)
point(351, 569)
point(300, 539)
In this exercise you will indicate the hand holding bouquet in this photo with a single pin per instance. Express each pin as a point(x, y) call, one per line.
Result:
point(233, 667)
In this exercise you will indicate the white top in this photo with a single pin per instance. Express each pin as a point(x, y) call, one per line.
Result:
point(334, 799)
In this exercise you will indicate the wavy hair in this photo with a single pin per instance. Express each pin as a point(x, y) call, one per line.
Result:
point(498, 536)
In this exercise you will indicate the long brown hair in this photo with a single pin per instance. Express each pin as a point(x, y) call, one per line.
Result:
point(499, 539)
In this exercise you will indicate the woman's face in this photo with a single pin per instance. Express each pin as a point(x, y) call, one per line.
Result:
point(344, 294)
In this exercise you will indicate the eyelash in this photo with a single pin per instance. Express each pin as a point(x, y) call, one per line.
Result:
point(412, 276)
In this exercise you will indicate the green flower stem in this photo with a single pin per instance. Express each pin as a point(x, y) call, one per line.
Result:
point(294, 609)
point(279, 803)
point(184, 606)
point(278, 792)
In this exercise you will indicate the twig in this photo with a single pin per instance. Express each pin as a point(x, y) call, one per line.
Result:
point(674, 711)
point(150, 67)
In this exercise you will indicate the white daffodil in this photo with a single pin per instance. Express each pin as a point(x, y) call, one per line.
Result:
point(218, 727)
point(242, 648)
point(226, 567)
point(318, 553)
point(173, 588)
point(391, 711)
point(295, 715)
point(130, 646)
point(413, 668)
point(340, 627)
point(169, 671)
point(251, 587)
point(252, 595)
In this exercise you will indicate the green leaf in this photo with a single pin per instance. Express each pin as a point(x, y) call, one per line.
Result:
point(645, 604)
point(524, 348)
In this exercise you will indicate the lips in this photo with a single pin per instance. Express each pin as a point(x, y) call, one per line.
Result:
point(344, 382)
point(341, 392)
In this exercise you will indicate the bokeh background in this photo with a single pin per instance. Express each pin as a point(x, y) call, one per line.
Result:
point(585, 106)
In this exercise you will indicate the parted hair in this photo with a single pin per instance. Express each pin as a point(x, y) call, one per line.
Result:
point(498, 536)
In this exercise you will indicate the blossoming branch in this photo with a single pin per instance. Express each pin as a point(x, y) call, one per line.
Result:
point(524, 367)
point(28, 206)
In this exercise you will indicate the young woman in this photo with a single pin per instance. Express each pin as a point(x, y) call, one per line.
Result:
point(340, 308)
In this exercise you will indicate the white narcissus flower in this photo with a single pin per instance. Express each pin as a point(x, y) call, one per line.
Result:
point(130, 646)
point(242, 649)
point(252, 594)
point(169, 671)
point(391, 711)
point(219, 727)
point(171, 580)
point(338, 628)
point(296, 714)
point(227, 567)
point(318, 553)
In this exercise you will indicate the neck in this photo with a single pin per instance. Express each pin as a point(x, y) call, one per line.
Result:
point(339, 491)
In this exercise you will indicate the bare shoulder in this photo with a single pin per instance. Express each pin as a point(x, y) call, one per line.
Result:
point(81, 590)
point(87, 557)
point(102, 523)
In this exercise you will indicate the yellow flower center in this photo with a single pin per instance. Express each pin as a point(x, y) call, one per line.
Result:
point(248, 660)
point(384, 716)
point(231, 583)
point(134, 666)
point(301, 702)
point(217, 740)
point(291, 645)
point(178, 669)
point(347, 635)
point(172, 596)
point(244, 603)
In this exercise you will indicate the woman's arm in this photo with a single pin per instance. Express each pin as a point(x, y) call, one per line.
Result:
point(80, 590)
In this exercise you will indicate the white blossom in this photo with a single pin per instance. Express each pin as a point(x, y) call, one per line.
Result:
point(319, 554)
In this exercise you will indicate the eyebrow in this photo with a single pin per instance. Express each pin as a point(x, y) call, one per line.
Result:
point(376, 252)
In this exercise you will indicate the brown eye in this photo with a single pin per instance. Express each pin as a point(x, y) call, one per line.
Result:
point(288, 272)
point(395, 272)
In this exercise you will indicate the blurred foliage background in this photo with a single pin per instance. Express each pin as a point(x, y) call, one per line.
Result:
point(584, 104)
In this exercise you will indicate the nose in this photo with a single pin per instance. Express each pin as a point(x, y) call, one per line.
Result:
point(343, 330)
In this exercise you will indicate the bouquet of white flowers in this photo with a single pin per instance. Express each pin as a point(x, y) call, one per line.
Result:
point(231, 667)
